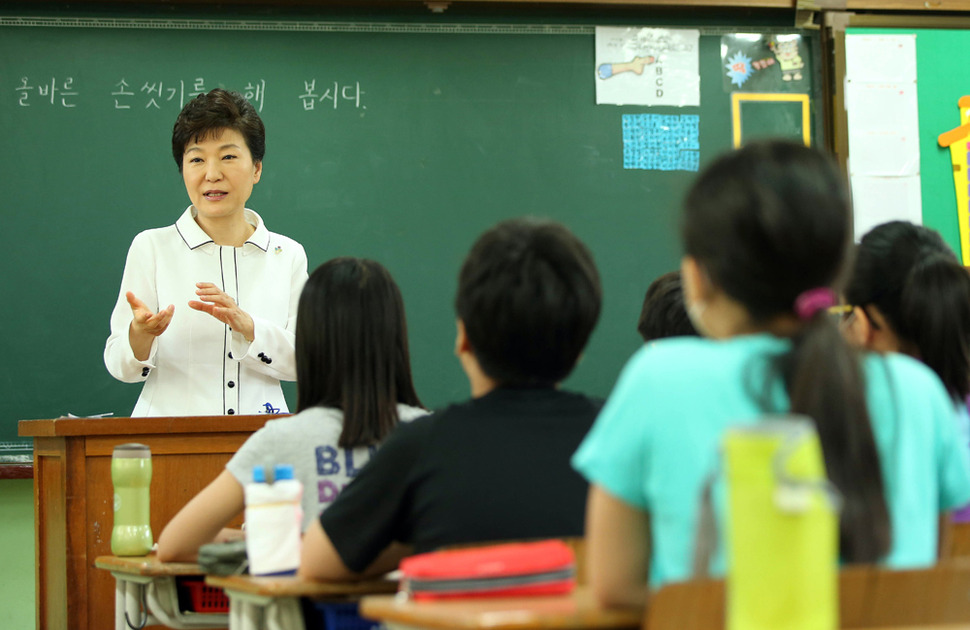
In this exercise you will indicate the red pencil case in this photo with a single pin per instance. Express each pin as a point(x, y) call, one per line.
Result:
point(507, 570)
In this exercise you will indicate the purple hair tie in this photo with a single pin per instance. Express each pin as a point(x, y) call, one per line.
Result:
point(810, 302)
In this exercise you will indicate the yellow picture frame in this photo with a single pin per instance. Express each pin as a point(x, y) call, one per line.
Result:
point(737, 98)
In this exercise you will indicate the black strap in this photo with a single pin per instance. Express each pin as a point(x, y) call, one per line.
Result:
point(144, 611)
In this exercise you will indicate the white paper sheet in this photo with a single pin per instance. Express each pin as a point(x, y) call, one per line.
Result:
point(879, 199)
point(881, 58)
point(883, 129)
point(881, 106)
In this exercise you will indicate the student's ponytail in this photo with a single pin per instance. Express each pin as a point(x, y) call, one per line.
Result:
point(769, 225)
point(824, 381)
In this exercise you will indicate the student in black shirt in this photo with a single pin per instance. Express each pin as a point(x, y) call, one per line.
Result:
point(495, 467)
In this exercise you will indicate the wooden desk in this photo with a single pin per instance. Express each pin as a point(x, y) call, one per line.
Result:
point(146, 582)
point(576, 611)
point(274, 602)
point(874, 598)
point(16, 471)
point(73, 497)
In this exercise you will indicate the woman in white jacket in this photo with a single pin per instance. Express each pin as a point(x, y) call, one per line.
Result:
point(206, 314)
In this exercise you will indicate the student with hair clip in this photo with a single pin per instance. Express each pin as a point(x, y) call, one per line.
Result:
point(353, 385)
point(765, 231)
point(908, 293)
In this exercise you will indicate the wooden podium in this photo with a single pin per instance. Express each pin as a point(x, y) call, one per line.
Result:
point(74, 498)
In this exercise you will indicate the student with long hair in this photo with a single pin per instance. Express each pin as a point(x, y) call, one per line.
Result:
point(353, 385)
point(765, 230)
point(908, 293)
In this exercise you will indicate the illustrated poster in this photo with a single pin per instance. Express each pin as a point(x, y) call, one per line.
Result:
point(647, 66)
point(754, 62)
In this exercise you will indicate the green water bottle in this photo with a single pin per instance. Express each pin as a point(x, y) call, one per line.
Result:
point(131, 474)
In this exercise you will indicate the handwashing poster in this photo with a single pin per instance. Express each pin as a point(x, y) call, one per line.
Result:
point(765, 63)
point(647, 66)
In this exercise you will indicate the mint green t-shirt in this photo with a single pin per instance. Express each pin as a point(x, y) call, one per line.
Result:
point(658, 437)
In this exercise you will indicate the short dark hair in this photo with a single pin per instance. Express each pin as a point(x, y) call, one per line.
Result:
point(529, 296)
point(210, 113)
point(663, 313)
point(912, 276)
point(352, 348)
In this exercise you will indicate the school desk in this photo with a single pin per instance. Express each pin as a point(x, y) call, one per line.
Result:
point(869, 597)
point(273, 603)
point(575, 611)
point(145, 593)
point(73, 505)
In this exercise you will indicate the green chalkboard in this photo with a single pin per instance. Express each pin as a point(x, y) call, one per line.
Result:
point(437, 132)
point(771, 119)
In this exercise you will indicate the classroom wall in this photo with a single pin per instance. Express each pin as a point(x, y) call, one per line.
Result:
point(17, 585)
point(483, 142)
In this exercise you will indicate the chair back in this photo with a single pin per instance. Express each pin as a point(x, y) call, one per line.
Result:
point(955, 542)
point(869, 597)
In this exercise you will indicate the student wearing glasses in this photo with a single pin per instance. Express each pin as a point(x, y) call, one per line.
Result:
point(908, 293)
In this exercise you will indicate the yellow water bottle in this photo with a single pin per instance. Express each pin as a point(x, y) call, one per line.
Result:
point(131, 474)
point(782, 528)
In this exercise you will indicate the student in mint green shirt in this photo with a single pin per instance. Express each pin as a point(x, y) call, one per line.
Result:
point(766, 229)
point(909, 293)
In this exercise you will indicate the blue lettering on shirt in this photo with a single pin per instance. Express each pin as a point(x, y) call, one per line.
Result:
point(327, 461)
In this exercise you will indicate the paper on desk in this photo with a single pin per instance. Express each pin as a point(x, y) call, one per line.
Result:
point(880, 199)
point(97, 415)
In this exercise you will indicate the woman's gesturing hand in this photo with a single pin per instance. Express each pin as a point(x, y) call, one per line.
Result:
point(145, 325)
point(219, 304)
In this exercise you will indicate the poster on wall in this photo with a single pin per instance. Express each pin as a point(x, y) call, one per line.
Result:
point(647, 66)
point(656, 142)
point(757, 62)
point(883, 124)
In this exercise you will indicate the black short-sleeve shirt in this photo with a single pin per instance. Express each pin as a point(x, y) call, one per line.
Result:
point(493, 468)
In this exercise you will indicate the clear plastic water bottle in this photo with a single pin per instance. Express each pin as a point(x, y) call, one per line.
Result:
point(131, 474)
point(273, 519)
